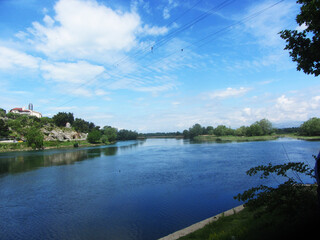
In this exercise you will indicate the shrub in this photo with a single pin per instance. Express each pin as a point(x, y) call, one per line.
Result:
point(34, 138)
point(94, 136)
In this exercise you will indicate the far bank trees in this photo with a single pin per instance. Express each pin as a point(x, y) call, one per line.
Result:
point(259, 128)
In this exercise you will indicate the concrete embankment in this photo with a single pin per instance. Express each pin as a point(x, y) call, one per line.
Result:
point(199, 225)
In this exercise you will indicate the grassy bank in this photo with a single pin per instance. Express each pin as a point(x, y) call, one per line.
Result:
point(10, 147)
point(246, 225)
point(212, 138)
point(303, 221)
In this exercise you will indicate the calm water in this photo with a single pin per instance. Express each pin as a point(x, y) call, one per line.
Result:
point(131, 190)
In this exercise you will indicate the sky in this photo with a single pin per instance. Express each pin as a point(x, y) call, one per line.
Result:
point(154, 66)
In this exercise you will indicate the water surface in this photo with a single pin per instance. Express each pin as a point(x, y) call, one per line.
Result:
point(130, 190)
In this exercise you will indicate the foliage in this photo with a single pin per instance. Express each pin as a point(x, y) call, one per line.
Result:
point(34, 138)
point(109, 134)
point(195, 130)
point(241, 131)
point(61, 118)
point(310, 127)
point(4, 129)
point(291, 130)
point(81, 125)
point(284, 198)
point(259, 128)
point(222, 130)
point(124, 134)
point(304, 46)
point(266, 126)
point(94, 136)
point(2, 112)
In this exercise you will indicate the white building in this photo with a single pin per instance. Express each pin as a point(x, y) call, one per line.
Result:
point(24, 111)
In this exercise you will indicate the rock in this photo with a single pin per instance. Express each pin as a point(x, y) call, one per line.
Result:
point(63, 134)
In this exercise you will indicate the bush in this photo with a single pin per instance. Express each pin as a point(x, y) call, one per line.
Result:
point(310, 127)
point(34, 138)
point(287, 197)
point(94, 136)
point(61, 118)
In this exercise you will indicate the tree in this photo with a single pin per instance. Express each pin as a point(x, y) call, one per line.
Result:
point(266, 126)
point(241, 131)
point(109, 134)
point(61, 118)
point(34, 138)
point(210, 130)
point(81, 125)
point(2, 112)
point(4, 129)
point(195, 130)
point(186, 134)
point(304, 46)
point(288, 196)
point(254, 130)
point(310, 127)
point(94, 136)
point(124, 134)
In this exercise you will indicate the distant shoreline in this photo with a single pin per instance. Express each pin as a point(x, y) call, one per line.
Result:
point(19, 147)
point(212, 138)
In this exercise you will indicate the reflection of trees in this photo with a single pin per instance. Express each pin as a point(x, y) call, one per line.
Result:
point(64, 158)
point(110, 151)
point(22, 162)
point(26, 163)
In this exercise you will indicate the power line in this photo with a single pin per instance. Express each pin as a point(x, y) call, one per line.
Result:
point(194, 44)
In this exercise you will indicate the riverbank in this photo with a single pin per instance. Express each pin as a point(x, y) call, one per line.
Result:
point(202, 224)
point(212, 138)
point(22, 146)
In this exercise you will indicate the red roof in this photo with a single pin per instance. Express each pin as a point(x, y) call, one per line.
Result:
point(19, 109)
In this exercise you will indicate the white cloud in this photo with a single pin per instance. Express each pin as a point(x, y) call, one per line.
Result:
point(87, 29)
point(76, 73)
point(266, 26)
point(229, 92)
point(166, 10)
point(10, 58)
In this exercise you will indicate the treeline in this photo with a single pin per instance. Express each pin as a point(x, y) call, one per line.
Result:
point(259, 128)
point(107, 134)
point(17, 126)
point(162, 134)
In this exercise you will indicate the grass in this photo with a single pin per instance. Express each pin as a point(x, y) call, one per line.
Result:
point(303, 221)
point(212, 138)
point(9, 147)
point(245, 225)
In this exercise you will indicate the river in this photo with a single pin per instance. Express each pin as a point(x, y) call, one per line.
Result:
point(131, 190)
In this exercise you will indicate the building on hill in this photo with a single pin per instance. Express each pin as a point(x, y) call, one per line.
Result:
point(28, 112)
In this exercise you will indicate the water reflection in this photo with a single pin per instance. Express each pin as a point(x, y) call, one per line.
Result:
point(26, 161)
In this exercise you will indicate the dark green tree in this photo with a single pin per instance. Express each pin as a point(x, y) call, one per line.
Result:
point(81, 125)
point(124, 134)
point(195, 130)
point(288, 196)
point(34, 138)
point(266, 126)
point(310, 127)
point(2, 112)
point(94, 136)
point(4, 129)
point(61, 118)
point(254, 130)
point(109, 134)
point(186, 134)
point(304, 46)
point(241, 131)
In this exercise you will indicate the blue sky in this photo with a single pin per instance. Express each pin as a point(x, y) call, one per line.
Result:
point(154, 65)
